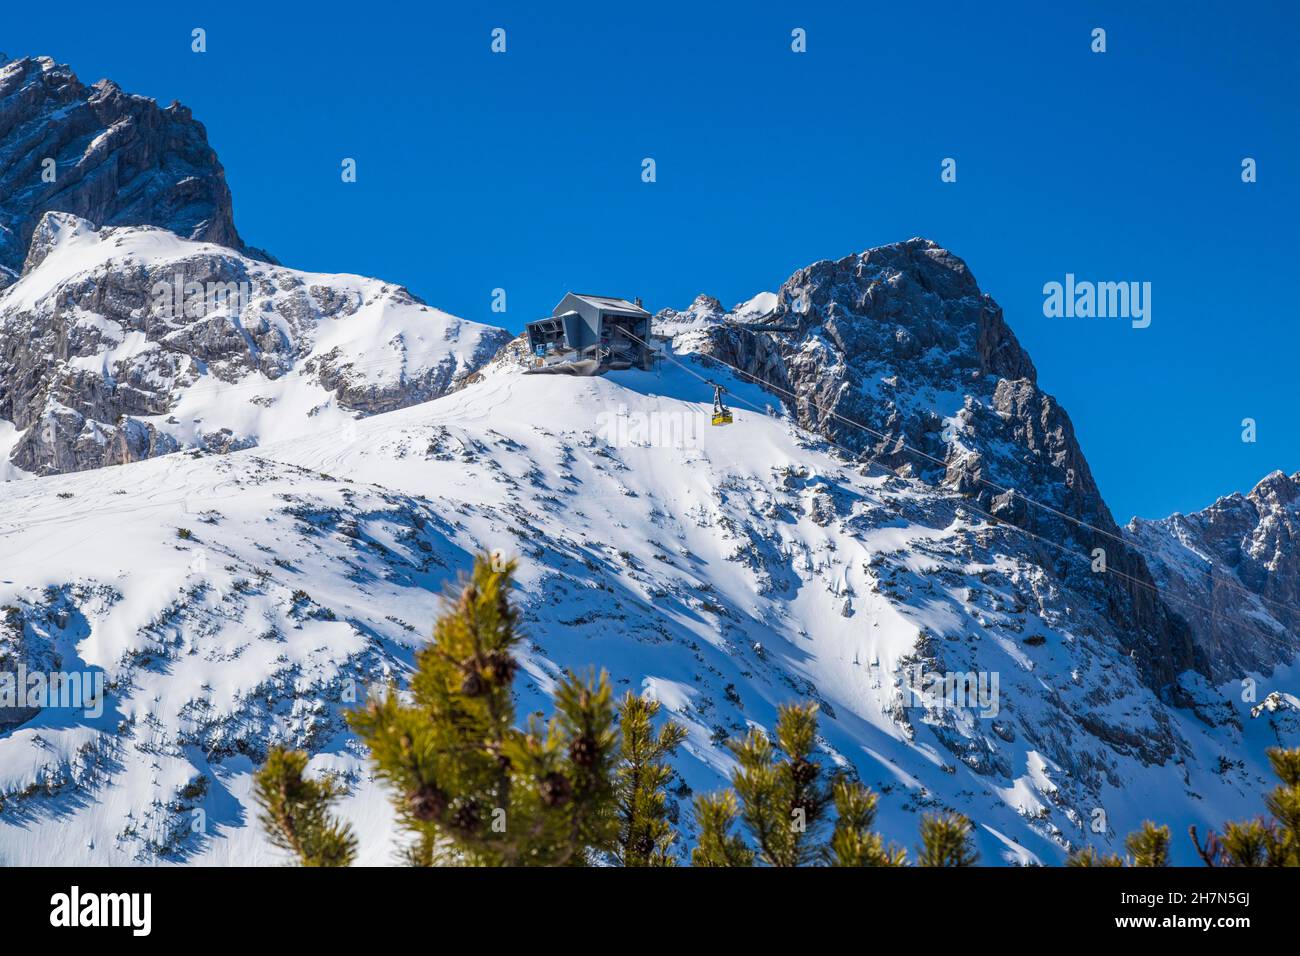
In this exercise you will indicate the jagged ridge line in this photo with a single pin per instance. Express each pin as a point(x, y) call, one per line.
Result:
point(991, 484)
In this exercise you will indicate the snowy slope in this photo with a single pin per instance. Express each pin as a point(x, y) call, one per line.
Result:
point(129, 343)
point(725, 571)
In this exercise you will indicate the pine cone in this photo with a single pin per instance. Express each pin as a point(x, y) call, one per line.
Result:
point(467, 817)
point(427, 803)
point(583, 751)
point(503, 667)
point(471, 685)
point(555, 789)
point(804, 771)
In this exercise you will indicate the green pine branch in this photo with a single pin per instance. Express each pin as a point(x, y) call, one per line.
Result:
point(645, 834)
point(296, 811)
point(853, 843)
point(1259, 842)
point(472, 786)
point(946, 840)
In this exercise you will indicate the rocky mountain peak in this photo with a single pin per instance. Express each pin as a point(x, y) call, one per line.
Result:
point(104, 155)
point(1276, 489)
point(897, 356)
point(704, 310)
point(918, 301)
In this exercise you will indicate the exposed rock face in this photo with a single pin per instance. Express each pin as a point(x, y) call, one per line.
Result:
point(1238, 563)
point(123, 344)
point(118, 160)
point(901, 340)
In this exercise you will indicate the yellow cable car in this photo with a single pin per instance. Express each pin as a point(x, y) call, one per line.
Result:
point(721, 413)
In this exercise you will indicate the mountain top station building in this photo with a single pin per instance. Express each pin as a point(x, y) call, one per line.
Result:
point(590, 334)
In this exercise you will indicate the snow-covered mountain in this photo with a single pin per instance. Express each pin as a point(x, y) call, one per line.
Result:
point(118, 344)
point(235, 602)
point(898, 356)
point(898, 501)
point(1237, 564)
point(103, 154)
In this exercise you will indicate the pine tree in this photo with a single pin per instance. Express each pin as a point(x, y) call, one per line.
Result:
point(1090, 857)
point(1148, 846)
point(1284, 804)
point(715, 815)
point(852, 842)
point(472, 787)
point(1253, 844)
point(645, 835)
point(296, 811)
point(946, 840)
point(782, 796)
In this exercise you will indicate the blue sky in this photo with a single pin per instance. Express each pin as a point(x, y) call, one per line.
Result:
point(522, 171)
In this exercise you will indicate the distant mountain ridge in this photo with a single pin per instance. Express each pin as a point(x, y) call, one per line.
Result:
point(1238, 561)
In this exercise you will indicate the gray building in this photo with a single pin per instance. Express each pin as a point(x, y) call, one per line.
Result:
point(590, 334)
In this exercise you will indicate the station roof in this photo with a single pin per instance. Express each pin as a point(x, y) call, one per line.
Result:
point(610, 303)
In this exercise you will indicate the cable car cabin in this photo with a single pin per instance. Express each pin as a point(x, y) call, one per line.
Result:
point(590, 335)
point(721, 413)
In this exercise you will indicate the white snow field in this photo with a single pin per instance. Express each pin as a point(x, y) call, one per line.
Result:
point(723, 570)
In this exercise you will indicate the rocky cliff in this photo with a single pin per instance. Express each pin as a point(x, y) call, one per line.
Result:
point(896, 355)
point(104, 155)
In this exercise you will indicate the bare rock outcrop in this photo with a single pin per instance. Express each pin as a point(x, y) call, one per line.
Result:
point(103, 155)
